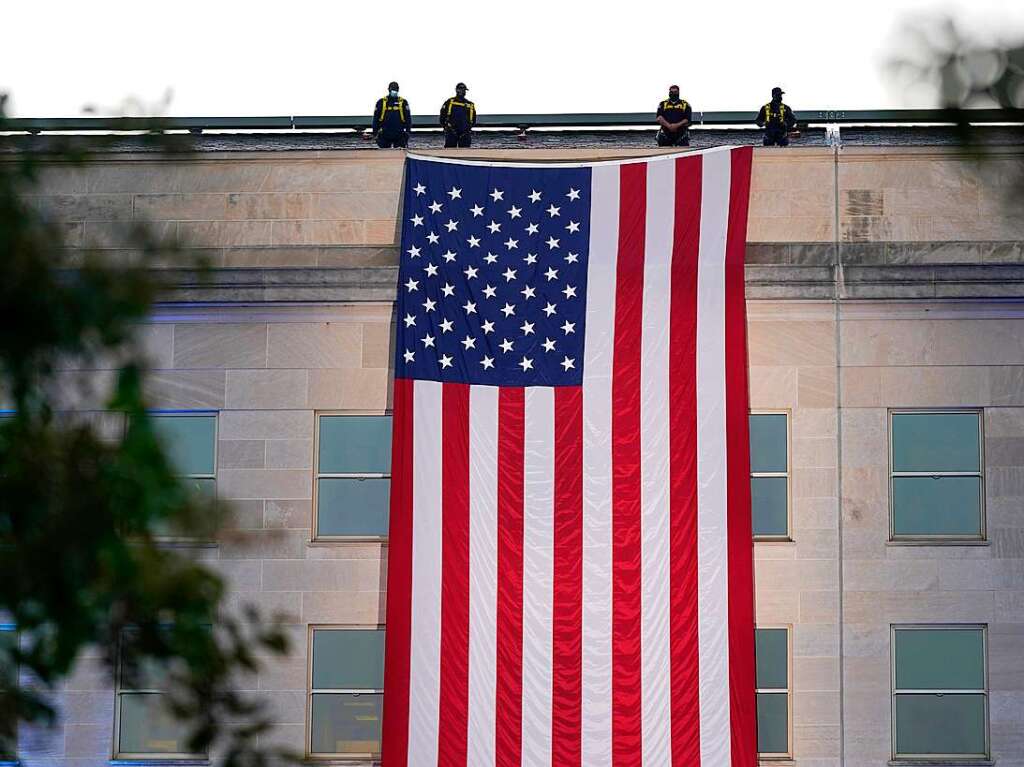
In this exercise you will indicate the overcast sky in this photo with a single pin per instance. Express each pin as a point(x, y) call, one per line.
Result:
point(336, 58)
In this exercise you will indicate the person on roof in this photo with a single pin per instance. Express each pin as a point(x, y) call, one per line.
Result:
point(777, 119)
point(392, 119)
point(674, 116)
point(458, 116)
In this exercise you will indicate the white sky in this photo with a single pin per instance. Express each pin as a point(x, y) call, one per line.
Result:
point(336, 58)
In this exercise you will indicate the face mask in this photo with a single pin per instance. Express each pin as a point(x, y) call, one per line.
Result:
point(393, 94)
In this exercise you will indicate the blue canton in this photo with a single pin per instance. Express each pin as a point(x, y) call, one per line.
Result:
point(492, 282)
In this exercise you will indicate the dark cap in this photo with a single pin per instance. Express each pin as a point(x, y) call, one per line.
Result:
point(673, 87)
point(777, 91)
point(392, 86)
point(461, 85)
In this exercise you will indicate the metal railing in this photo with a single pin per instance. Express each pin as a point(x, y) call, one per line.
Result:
point(521, 122)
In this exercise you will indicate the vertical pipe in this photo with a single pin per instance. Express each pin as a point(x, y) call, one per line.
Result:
point(838, 290)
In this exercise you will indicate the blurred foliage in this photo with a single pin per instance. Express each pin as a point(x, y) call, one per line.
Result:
point(85, 499)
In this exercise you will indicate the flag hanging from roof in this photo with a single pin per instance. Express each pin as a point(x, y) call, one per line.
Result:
point(570, 562)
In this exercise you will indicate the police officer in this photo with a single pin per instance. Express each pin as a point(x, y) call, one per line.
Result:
point(392, 119)
point(777, 119)
point(674, 116)
point(458, 116)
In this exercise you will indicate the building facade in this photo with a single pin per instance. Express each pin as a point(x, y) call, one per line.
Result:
point(886, 347)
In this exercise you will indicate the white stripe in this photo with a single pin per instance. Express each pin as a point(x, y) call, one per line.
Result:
point(597, 468)
point(483, 572)
point(538, 572)
point(425, 625)
point(712, 530)
point(656, 709)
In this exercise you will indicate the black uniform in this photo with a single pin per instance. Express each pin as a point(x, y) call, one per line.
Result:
point(778, 120)
point(392, 121)
point(673, 112)
point(458, 116)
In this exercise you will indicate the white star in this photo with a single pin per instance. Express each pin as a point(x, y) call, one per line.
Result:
point(532, 229)
point(413, 252)
point(497, 194)
point(435, 207)
point(551, 274)
point(474, 242)
point(489, 291)
point(448, 289)
point(514, 211)
point(490, 258)
point(510, 243)
point(552, 243)
point(431, 270)
point(549, 345)
point(529, 291)
point(417, 220)
point(470, 307)
point(488, 327)
point(446, 326)
point(487, 362)
point(526, 364)
point(531, 258)
point(506, 346)
point(412, 285)
point(494, 226)
point(429, 304)
point(470, 272)
point(428, 340)
point(570, 291)
point(469, 342)
point(568, 363)
point(549, 309)
point(508, 309)
point(509, 274)
point(455, 193)
point(569, 327)
point(409, 355)
point(574, 194)
point(433, 238)
point(452, 225)
point(446, 361)
point(419, 189)
point(448, 256)
point(573, 227)
point(534, 196)
point(410, 320)
point(553, 211)
point(572, 258)
point(526, 327)
point(477, 211)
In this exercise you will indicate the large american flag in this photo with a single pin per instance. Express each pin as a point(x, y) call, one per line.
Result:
point(570, 562)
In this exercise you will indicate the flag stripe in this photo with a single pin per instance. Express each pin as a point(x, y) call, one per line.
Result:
point(509, 695)
point(395, 736)
point(654, 466)
point(567, 602)
point(483, 572)
point(454, 665)
point(740, 539)
point(425, 630)
point(626, 678)
point(538, 520)
point(683, 458)
point(596, 663)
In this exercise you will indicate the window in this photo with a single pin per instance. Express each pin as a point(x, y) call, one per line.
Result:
point(936, 487)
point(939, 690)
point(191, 443)
point(769, 475)
point(353, 481)
point(773, 685)
point(144, 728)
point(8, 681)
point(345, 692)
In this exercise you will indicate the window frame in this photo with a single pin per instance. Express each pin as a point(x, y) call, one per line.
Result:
point(788, 475)
point(311, 755)
point(116, 753)
point(787, 755)
point(13, 629)
point(315, 535)
point(982, 535)
point(894, 691)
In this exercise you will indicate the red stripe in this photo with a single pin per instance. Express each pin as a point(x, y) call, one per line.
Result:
point(567, 603)
point(508, 710)
point(684, 643)
point(626, 478)
point(743, 704)
point(453, 710)
point(395, 722)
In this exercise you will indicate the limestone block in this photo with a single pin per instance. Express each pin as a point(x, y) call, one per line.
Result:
point(219, 175)
point(211, 345)
point(813, 742)
point(818, 544)
point(381, 232)
point(1007, 386)
point(355, 205)
point(791, 343)
point(180, 207)
point(120, 234)
point(248, 206)
point(814, 483)
point(266, 389)
point(318, 232)
point(816, 387)
point(365, 389)
point(776, 606)
point(270, 255)
point(157, 341)
point(871, 575)
point(315, 345)
point(815, 641)
point(936, 387)
point(289, 454)
point(293, 514)
point(262, 544)
point(1004, 481)
point(816, 708)
point(814, 514)
point(285, 674)
point(1004, 513)
point(88, 708)
point(365, 608)
point(1007, 543)
point(287, 707)
point(264, 483)
point(814, 423)
point(789, 229)
point(347, 575)
point(224, 234)
point(812, 574)
point(816, 674)
point(240, 575)
point(1009, 605)
point(918, 607)
point(772, 387)
point(1004, 451)
point(87, 740)
point(349, 550)
point(819, 607)
point(186, 389)
point(317, 177)
point(256, 424)
point(245, 515)
point(378, 351)
point(774, 550)
point(83, 207)
point(241, 454)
